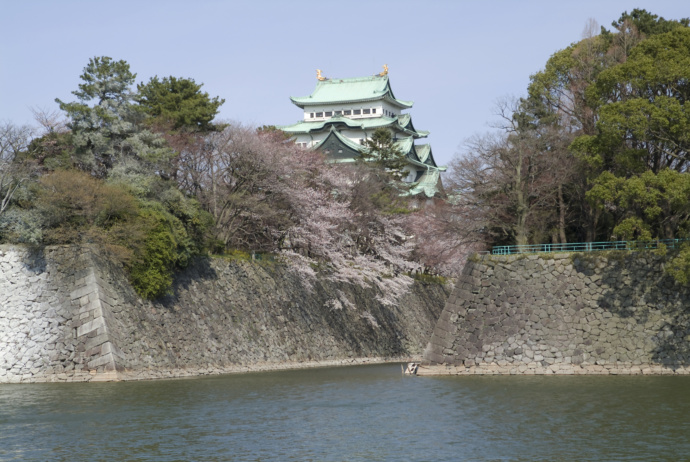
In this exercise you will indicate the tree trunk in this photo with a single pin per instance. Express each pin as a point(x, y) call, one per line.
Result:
point(521, 206)
point(521, 236)
point(593, 216)
point(561, 215)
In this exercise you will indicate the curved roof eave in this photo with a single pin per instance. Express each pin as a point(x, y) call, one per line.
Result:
point(405, 145)
point(428, 184)
point(394, 100)
point(398, 102)
point(422, 164)
point(303, 102)
point(300, 127)
point(304, 127)
point(405, 121)
point(430, 158)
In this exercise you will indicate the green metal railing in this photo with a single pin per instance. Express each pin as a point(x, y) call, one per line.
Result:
point(587, 246)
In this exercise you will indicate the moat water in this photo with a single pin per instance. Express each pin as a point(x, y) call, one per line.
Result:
point(366, 413)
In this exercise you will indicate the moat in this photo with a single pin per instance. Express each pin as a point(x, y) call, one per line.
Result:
point(359, 413)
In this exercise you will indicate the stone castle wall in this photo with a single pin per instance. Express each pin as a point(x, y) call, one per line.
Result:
point(614, 313)
point(69, 314)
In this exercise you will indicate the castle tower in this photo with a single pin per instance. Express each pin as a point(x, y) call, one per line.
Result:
point(341, 114)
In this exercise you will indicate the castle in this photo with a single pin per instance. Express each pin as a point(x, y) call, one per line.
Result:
point(341, 114)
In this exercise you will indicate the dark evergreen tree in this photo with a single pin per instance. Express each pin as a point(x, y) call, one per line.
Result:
point(178, 102)
point(382, 152)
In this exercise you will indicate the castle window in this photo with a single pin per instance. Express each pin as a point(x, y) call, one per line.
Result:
point(338, 113)
point(311, 115)
point(347, 112)
point(373, 111)
point(357, 111)
point(366, 111)
point(329, 113)
point(319, 114)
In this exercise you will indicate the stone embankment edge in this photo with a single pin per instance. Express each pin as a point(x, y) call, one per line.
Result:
point(132, 376)
point(563, 314)
point(618, 369)
point(261, 367)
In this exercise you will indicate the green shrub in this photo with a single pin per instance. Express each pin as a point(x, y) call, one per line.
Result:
point(151, 273)
point(679, 267)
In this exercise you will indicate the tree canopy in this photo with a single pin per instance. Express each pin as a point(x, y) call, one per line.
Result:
point(107, 125)
point(616, 103)
point(151, 177)
point(382, 152)
point(178, 102)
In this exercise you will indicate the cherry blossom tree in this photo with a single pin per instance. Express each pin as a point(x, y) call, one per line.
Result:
point(266, 194)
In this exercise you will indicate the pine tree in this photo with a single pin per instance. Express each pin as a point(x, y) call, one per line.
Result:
point(110, 132)
point(382, 152)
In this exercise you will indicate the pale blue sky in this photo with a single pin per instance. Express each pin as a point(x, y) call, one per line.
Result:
point(454, 59)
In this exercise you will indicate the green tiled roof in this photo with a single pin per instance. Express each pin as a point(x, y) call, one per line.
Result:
point(404, 145)
point(306, 126)
point(341, 149)
point(359, 89)
point(343, 139)
point(427, 184)
point(426, 165)
point(362, 124)
point(423, 151)
point(405, 120)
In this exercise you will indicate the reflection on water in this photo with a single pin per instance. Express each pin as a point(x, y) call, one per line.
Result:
point(359, 413)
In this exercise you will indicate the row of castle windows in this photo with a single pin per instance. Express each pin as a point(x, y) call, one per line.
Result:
point(346, 112)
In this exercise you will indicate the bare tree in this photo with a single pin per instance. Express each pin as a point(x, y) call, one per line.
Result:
point(510, 182)
point(14, 141)
point(445, 232)
point(51, 121)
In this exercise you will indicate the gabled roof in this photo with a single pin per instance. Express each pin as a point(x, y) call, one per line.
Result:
point(420, 155)
point(405, 121)
point(353, 90)
point(362, 124)
point(405, 145)
point(332, 140)
point(426, 156)
point(341, 149)
point(423, 151)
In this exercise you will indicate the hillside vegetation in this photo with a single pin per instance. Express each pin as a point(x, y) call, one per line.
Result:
point(597, 150)
point(149, 175)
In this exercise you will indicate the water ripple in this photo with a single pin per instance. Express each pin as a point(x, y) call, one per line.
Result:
point(367, 413)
